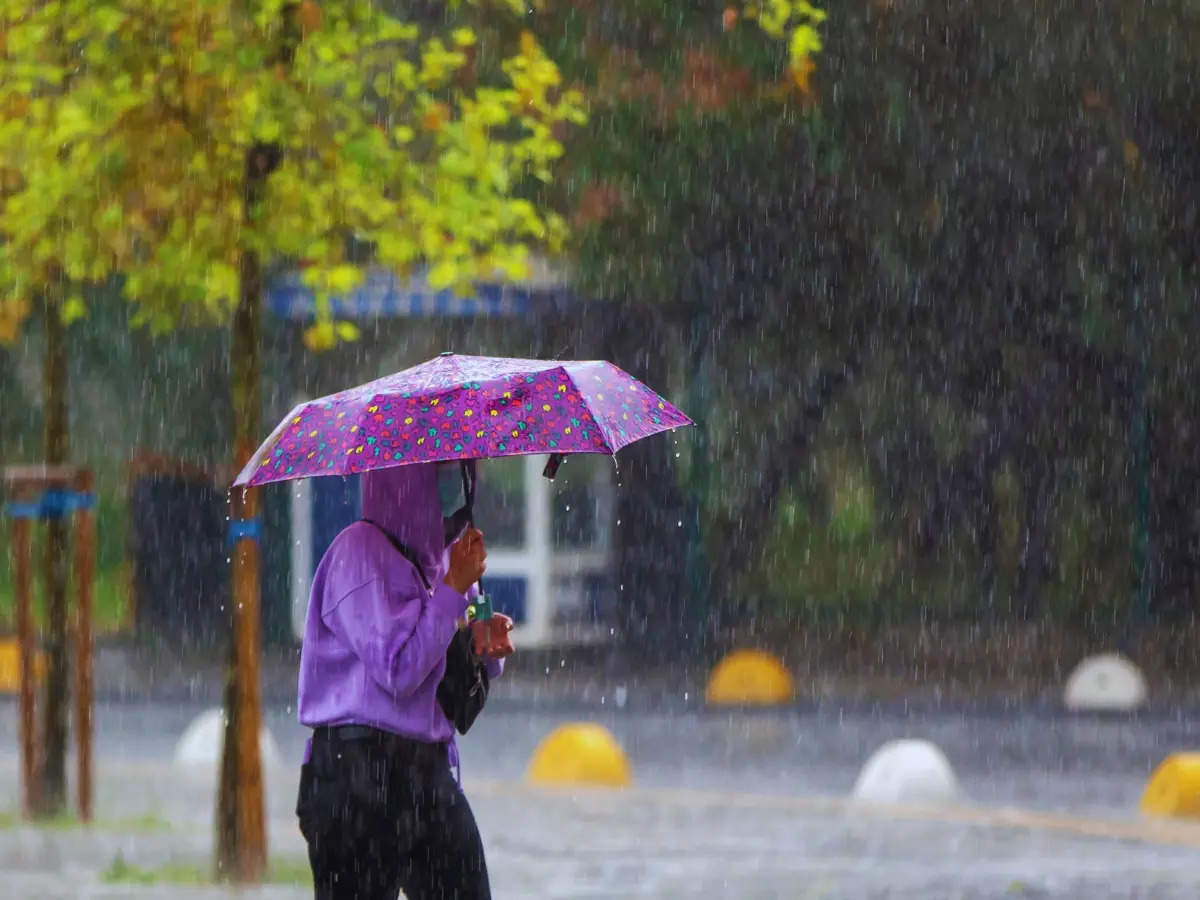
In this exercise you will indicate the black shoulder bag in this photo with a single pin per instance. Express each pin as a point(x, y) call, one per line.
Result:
point(463, 690)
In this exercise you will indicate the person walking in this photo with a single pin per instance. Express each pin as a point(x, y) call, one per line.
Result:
point(380, 804)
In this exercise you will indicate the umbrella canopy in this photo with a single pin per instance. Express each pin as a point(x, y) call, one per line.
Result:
point(463, 407)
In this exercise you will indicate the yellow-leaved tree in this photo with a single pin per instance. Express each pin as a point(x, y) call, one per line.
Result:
point(180, 146)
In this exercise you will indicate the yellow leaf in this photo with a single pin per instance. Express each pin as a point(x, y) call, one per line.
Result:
point(73, 309)
point(405, 74)
point(347, 331)
point(442, 275)
point(249, 103)
point(435, 117)
point(13, 312)
point(269, 131)
point(320, 337)
point(343, 278)
point(804, 42)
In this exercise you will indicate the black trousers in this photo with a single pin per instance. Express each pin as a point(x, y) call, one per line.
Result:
point(384, 814)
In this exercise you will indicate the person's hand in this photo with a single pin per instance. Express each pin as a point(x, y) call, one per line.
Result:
point(468, 561)
point(491, 636)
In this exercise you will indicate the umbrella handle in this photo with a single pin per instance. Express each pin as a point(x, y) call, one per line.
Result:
point(482, 612)
point(483, 603)
point(552, 464)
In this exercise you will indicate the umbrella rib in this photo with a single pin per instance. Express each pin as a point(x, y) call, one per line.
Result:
point(583, 395)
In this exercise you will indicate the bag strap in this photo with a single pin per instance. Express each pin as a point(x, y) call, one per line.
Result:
point(403, 551)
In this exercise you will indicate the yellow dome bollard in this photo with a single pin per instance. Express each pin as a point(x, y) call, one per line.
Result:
point(580, 753)
point(10, 666)
point(750, 678)
point(1174, 788)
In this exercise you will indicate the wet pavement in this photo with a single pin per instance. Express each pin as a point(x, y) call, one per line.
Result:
point(724, 805)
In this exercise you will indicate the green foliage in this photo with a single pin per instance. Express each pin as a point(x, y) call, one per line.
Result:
point(826, 561)
point(979, 220)
point(852, 507)
point(671, 95)
point(660, 179)
point(1088, 584)
point(110, 598)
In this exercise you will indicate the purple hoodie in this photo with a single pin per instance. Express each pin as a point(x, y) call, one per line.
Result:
point(375, 640)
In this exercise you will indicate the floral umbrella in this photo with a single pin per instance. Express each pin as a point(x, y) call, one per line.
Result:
point(464, 407)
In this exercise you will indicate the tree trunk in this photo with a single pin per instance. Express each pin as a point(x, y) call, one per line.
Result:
point(738, 543)
point(1034, 564)
point(241, 829)
point(84, 525)
point(53, 793)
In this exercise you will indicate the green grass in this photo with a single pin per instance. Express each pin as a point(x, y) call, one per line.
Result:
point(60, 822)
point(110, 601)
point(121, 872)
point(287, 871)
point(146, 823)
point(110, 596)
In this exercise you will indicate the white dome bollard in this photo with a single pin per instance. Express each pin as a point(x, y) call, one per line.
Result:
point(202, 740)
point(907, 771)
point(1107, 682)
